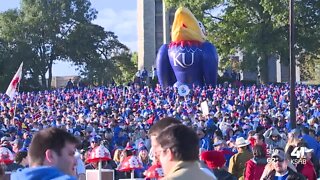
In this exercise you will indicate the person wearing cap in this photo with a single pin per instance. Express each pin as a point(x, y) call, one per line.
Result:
point(5, 139)
point(216, 162)
point(143, 156)
point(280, 161)
point(304, 164)
point(94, 142)
point(221, 146)
point(237, 161)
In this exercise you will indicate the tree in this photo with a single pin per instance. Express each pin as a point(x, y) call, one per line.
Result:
point(103, 58)
point(43, 32)
point(43, 27)
point(258, 29)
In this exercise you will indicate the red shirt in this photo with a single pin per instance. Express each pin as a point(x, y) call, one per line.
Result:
point(253, 170)
point(308, 171)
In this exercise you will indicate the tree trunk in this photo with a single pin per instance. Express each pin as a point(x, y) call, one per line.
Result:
point(43, 81)
point(50, 73)
point(263, 69)
point(100, 80)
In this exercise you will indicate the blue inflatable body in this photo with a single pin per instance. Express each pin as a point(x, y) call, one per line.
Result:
point(189, 59)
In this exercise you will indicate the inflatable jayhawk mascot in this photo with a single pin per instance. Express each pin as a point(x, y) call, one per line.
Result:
point(189, 59)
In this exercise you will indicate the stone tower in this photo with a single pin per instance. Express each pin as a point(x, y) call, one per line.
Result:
point(151, 30)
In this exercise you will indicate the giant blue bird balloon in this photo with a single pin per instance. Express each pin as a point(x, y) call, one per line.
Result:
point(189, 59)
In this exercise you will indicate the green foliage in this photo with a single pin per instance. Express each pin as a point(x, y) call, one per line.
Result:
point(258, 29)
point(103, 57)
point(43, 32)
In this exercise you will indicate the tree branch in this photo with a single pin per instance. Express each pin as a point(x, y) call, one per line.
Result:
point(213, 17)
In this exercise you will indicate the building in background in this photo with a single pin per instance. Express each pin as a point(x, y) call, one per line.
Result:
point(61, 81)
point(152, 32)
point(277, 72)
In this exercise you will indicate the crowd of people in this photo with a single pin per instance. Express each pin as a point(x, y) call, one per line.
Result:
point(245, 135)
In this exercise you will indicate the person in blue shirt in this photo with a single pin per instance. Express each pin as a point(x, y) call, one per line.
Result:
point(311, 142)
point(51, 156)
point(204, 142)
point(281, 170)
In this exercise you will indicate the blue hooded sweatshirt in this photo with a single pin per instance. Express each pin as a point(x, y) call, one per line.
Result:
point(41, 173)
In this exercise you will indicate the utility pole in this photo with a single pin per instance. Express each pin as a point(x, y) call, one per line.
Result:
point(292, 66)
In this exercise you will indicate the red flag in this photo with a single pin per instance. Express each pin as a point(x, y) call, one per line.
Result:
point(12, 88)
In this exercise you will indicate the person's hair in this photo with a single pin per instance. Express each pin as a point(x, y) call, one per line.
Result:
point(260, 136)
point(50, 138)
point(116, 155)
point(162, 124)
point(302, 143)
point(19, 144)
point(289, 150)
point(260, 129)
point(144, 160)
point(305, 130)
point(218, 133)
point(293, 140)
point(182, 141)
point(127, 152)
point(312, 131)
point(20, 156)
point(258, 151)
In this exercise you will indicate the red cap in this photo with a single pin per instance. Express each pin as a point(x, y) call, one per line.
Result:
point(213, 159)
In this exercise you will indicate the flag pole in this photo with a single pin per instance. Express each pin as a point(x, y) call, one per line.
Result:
point(16, 100)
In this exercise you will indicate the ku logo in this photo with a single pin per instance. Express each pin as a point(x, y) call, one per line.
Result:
point(180, 59)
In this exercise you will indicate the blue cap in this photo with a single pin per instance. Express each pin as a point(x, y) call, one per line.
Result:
point(26, 142)
point(23, 149)
point(12, 129)
point(95, 139)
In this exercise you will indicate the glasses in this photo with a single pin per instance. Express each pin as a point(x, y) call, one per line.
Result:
point(276, 159)
point(158, 152)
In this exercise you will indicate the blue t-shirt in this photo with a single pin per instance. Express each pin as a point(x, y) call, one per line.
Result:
point(284, 177)
point(41, 173)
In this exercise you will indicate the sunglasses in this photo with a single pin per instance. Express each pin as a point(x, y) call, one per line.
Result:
point(276, 159)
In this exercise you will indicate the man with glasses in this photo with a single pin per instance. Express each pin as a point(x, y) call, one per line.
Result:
point(281, 170)
point(178, 152)
point(155, 131)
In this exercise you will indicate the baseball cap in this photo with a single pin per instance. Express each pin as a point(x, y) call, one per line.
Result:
point(278, 153)
point(307, 150)
point(16, 141)
point(94, 139)
point(219, 142)
point(5, 138)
